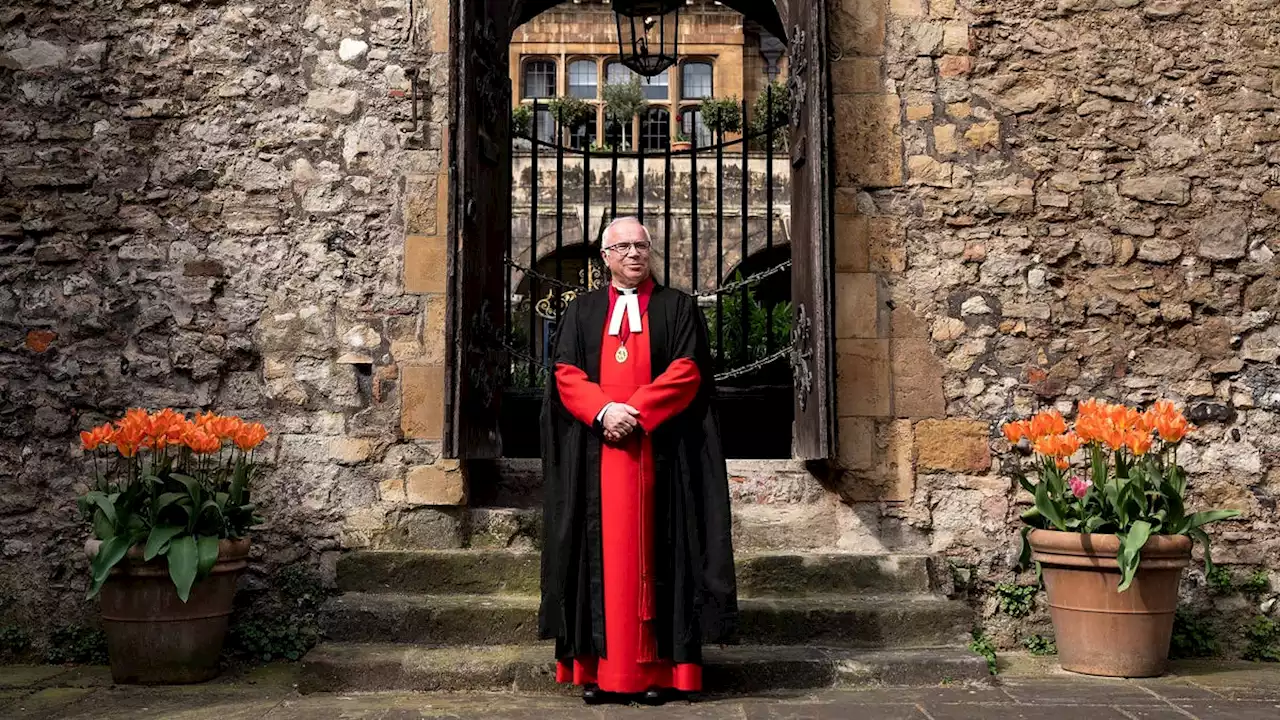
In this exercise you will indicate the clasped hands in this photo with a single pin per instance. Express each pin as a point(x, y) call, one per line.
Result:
point(619, 421)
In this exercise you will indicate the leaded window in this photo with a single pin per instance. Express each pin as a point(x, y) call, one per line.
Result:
point(583, 79)
point(655, 129)
point(540, 79)
point(695, 81)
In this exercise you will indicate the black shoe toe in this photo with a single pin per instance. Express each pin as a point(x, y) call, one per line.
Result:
point(593, 695)
point(654, 696)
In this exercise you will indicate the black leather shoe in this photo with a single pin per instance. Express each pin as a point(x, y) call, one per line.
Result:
point(657, 696)
point(593, 695)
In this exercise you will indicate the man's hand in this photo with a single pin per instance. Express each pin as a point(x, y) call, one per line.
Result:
point(618, 421)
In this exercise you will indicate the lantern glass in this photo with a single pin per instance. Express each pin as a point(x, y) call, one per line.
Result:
point(647, 34)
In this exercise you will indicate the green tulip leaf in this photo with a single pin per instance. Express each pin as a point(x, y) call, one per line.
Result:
point(183, 564)
point(158, 540)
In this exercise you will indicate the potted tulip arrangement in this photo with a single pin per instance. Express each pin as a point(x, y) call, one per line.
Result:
point(170, 515)
point(1109, 531)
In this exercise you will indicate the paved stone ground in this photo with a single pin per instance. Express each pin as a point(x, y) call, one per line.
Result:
point(1028, 689)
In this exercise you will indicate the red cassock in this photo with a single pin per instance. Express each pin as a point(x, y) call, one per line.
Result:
point(626, 506)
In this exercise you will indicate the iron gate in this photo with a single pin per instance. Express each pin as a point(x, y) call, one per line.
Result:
point(719, 218)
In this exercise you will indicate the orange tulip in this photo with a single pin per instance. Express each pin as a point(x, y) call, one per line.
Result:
point(97, 437)
point(203, 442)
point(1089, 408)
point(1166, 420)
point(249, 436)
point(1049, 422)
point(1015, 431)
point(1058, 446)
point(1138, 442)
point(1173, 429)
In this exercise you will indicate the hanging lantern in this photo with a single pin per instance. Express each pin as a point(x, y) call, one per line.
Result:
point(647, 32)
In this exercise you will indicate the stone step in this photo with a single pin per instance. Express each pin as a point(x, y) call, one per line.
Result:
point(852, 621)
point(759, 575)
point(757, 527)
point(353, 667)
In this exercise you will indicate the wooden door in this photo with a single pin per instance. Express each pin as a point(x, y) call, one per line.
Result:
point(813, 436)
point(479, 223)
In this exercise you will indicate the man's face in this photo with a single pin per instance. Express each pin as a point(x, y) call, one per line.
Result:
point(626, 251)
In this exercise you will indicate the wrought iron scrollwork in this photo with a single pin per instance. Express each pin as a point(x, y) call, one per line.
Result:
point(484, 344)
point(552, 307)
point(801, 356)
point(493, 87)
point(797, 80)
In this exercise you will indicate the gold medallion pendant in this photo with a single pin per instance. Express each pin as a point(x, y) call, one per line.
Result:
point(621, 355)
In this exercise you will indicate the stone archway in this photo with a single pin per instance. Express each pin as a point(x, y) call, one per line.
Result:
point(462, 263)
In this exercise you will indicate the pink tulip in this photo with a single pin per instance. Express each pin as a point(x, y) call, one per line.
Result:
point(1079, 486)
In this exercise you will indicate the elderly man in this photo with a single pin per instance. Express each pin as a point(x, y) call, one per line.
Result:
point(637, 559)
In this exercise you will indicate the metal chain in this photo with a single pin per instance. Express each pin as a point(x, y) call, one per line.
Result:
point(524, 357)
point(722, 290)
point(748, 369)
point(542, 277)
point(751, 280)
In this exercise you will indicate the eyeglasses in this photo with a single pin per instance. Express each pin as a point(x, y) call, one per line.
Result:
point(624, 249)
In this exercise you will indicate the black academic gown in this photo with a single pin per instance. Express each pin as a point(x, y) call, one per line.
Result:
point(695, 591)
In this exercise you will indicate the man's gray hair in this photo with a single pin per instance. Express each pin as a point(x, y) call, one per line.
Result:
point(604, 237)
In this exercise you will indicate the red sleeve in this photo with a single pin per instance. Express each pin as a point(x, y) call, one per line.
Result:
point(580, 396)
point(668, 395)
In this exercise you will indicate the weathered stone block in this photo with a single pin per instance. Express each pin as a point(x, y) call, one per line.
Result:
point(863, 385)
point(916, 113)
point(350, 450)
point(433, 336)
point(944, 140)
point(983, 135)
point(40, 340)
point(868, 141)
point(339, 102)
point(917, 380)
point(888, 475)
point(1159, 250)
point(1160, 189)
point(952, 66)
point(942, 8)
point(887, 253)
point(423, 205)
point(425, 264)
point(857, 306)
point(925, 170)
point(907, 8)
point(856, 444)
point(857, 27)
point(954, 445)
point(955, 37)
point(440, 483)
point(422, 401)
point(852, 243)
point(856, 75)
point(1224, 236)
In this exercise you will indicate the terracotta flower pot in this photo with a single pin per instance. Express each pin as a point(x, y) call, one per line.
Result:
point(155, 638)
point(1100, 631)
point(678, 146)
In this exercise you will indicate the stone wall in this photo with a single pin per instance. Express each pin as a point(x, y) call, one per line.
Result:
point(1046, 201)
point(230, 206)
point(203, 205)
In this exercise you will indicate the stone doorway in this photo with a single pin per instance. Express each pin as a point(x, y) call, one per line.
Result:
point(480, 210)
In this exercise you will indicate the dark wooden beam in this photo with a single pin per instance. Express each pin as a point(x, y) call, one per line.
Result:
point(768, 13)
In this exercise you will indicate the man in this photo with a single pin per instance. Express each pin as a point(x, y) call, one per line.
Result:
point(637, 559)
